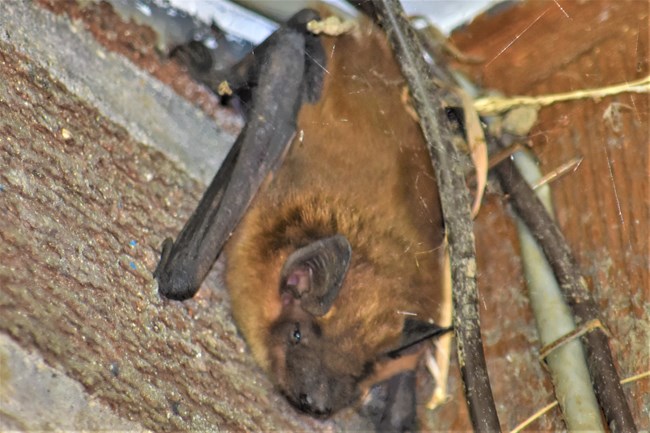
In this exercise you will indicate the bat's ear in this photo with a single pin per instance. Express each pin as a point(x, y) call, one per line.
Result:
point(415, 331)
point(314, 273)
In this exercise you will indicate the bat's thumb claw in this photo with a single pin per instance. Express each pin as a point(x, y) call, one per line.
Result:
point(165, 253)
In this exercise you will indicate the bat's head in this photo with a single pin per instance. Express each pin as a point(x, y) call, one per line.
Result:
point(319, 363)
point(302, 367)
point(310, 281)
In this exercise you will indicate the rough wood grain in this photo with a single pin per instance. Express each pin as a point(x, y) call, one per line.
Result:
point(540, 47)
point(84, 209)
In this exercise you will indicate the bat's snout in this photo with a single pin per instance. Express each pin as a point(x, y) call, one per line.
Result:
point(314, 405)
point(315, 389)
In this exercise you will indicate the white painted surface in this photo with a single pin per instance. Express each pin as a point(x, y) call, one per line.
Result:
point(445, 14)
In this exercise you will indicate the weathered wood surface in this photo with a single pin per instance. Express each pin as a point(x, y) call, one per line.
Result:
point(84, 209)
point(603, 207)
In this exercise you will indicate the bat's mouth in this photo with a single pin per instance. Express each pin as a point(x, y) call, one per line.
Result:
point(305, 404)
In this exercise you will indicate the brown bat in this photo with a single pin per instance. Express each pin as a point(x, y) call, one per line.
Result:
point(333, 270)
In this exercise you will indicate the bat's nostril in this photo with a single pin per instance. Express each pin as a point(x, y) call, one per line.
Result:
point(307, 404)
point(305, 401)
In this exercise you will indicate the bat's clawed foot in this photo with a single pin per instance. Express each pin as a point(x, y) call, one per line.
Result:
point(195, 55)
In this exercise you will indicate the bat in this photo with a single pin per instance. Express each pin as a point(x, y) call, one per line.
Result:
point(327, 211)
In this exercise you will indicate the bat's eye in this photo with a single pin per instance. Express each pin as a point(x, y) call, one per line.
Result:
point(296, 336)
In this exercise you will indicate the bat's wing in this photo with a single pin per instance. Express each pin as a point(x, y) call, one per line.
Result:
point(414, 332)
point(283, 78)
point(392, 404)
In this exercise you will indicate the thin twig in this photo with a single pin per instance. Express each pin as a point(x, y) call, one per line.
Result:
point(569, 166)
point(528, 421)
point(495, 105)
point(456, 203)
point(531, 419)
point(574, 287)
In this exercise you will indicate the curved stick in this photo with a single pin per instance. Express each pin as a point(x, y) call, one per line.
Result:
point(456, 203)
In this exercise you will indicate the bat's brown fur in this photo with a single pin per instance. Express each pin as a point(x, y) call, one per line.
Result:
point(357, 166)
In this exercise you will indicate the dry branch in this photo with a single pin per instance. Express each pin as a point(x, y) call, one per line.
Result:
point(455, 202)
point(604, 377)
